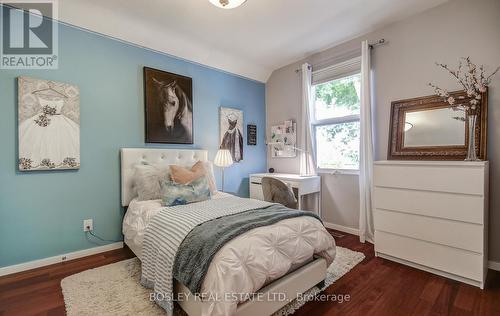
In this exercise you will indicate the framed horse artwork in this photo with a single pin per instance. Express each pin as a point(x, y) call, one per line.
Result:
point(169, 107)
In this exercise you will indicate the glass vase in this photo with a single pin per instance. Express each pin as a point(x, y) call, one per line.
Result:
point(471, 146)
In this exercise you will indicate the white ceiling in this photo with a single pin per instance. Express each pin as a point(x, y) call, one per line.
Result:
point(251, 41)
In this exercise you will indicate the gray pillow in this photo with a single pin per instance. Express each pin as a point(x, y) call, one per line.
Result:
point(147, 180)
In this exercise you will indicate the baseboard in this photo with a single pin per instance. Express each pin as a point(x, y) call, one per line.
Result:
point(494, 265)
point(341, 228)
point(57, 259)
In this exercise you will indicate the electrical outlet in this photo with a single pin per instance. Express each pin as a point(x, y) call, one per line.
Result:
point(88, 225)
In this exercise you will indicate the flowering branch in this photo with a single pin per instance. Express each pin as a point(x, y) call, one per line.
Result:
point(473, 81)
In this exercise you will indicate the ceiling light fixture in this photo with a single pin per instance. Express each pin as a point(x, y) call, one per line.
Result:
point(227, 4)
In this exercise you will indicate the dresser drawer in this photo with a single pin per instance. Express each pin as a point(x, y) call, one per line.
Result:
point(456, 234)
point(465, 208)
point(453, 179)
point(451, 260)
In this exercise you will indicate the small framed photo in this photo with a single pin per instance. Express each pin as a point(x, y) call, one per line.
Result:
point(251, 134)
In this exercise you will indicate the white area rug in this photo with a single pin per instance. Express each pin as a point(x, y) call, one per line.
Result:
point(115, 290)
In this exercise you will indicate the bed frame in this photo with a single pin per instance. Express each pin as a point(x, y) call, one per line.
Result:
point(291, 285)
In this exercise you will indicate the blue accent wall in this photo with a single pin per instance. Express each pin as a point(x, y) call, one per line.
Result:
point(41, 213)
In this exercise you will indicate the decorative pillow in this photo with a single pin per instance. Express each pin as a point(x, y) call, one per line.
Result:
point(147, 180)
point(180, 194)
point(200, 169)
point(183, 175)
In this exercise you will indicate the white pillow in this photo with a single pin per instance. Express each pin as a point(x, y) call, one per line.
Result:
point(147, 180)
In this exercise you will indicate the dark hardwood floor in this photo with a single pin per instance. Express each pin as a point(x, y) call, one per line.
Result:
point(375, 287)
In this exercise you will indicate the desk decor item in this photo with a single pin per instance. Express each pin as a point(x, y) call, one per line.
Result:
point(231, 132)
point(169, 107)
point(223, 159)
point(49, 125)
point(475, 83)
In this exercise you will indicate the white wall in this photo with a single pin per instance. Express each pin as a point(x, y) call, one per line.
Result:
point(402, 68)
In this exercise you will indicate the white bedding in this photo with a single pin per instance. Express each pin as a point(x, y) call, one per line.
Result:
point(138, 215)
point(248, 262)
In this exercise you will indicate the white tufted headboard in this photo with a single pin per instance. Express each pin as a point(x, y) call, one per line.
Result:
point(157, 156)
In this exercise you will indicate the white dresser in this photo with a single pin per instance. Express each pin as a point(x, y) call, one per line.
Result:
point(433, 215)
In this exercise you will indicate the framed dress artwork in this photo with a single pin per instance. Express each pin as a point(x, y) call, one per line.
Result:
point(49, 125)
point(231, 132)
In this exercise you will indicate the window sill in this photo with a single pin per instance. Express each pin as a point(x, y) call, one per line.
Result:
point(350, 172)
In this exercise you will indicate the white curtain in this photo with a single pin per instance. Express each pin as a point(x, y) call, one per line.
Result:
point(366, 231)
point(307, 153)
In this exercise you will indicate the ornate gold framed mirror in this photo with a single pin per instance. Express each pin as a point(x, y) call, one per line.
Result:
point(426, 128)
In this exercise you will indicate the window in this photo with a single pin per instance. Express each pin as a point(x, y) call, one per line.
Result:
point(336, 122)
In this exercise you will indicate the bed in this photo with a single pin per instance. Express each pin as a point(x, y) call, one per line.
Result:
point(297, 267)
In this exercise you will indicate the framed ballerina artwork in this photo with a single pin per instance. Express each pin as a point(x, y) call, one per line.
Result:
point(231, 132)
point(49, 125)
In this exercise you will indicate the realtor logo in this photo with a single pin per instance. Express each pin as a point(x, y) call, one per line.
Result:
point(29, 34)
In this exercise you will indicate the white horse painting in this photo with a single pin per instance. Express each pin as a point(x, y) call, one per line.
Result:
point(177, 109)
point(169, 108)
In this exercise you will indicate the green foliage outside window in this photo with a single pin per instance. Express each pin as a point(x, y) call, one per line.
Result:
point(340, 148)
point(340, 93)
point(338, 144)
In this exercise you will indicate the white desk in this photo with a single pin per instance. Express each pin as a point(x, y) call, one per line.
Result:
point(303, 185)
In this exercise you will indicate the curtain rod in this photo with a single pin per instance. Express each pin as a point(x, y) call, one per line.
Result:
point(377, 43)
point(371, 46)
point(300, 69)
